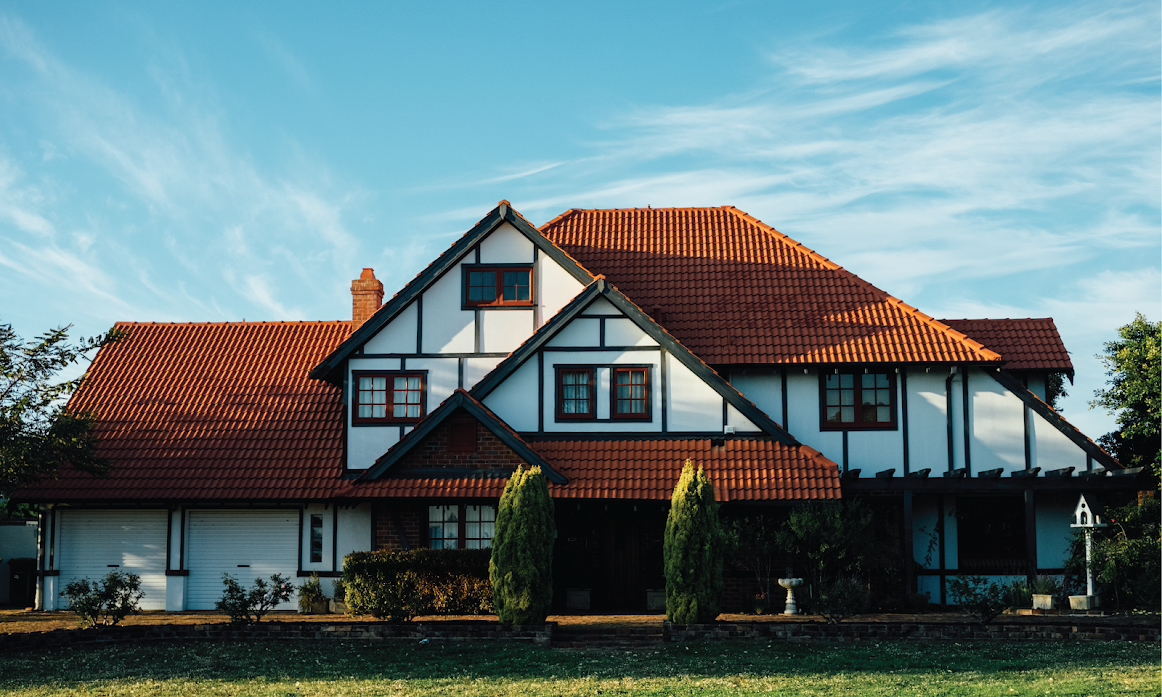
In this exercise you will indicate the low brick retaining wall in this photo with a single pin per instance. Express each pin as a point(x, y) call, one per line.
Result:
point(894, 631)
point(541, 634)
point(1110, 629)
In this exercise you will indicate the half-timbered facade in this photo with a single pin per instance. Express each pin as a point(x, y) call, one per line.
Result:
point(607, 347)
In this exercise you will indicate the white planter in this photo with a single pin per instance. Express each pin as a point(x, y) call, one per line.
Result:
point(1082, 602)
point(337, 607)
point(1042, 602)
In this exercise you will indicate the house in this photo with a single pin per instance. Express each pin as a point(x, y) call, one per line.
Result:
point(607, 347)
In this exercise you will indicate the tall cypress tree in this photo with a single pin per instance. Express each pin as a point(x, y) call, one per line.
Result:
point(521, 568)
point(693, 551)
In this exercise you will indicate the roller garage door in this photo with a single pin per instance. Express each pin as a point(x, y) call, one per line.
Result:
point(93, 543)
point(244, 544)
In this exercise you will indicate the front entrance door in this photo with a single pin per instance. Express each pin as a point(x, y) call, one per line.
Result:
point(621, 561)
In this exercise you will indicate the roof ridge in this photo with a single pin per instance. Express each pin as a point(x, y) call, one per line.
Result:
point(973, 344)
point(227, 323)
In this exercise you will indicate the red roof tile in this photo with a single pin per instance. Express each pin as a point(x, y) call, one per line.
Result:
point(210, 411)
point(1024, 344)
point(734, 290)
point(741, 470)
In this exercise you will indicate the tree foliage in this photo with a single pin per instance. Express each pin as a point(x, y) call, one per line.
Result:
point(521, 568)
point(753, 542)
point(1134, 393)
point(836, 537)
point(38, 432)
point(693, 550)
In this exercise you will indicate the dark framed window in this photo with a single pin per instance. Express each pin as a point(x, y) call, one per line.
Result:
point(855, 399)
point(498, 286)
point(990, 534)
point(631, 393)
point(461, 526)
point(576, 393)
point(316, 538)
point(387, 397)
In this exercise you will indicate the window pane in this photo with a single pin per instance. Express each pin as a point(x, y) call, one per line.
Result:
point(365, 411)
point(469, 543)
point(847, 397)
point(883, 398)
point(833, 415)
point(881, 380)
point(365, 383)
point(379, 411)
point(884, 414)
point(516, 285)
point(848, 414)
point(832, 382)
point(868, 380)
point(867, 397)
point(481, 286)
point(365, 397)
point(847, 381)
point(379, 383)
point(832, 398)
point(868, 414)
point(413, 411)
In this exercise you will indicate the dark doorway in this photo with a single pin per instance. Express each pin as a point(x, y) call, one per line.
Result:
point(621, 561)
point(612, 550)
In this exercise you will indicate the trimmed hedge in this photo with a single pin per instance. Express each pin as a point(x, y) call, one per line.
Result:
point(398, 586)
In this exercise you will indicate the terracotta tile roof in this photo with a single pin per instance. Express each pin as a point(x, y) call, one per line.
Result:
point(1024, 344)
point(210, 411)
point(742, 470)
point(734, 290)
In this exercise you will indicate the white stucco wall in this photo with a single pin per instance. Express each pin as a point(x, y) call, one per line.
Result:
point(476, 368)
point(998, 433)
point(399, 336)
point(1054, 513)
point(447, 328)
point(504, 330)
point(625, 332)
point(515, 399)
point(693, 404)
point(927, 423)
point(556, 287)
point(803, 414)
point(506, 245)
point(763, 386)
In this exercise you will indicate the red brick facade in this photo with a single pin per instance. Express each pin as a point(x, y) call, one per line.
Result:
point(366, 297)
point(410, 517)
point(435, 451)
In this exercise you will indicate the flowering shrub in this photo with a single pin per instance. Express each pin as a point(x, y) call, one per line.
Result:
point(107, 602)
point(248, 607)
point(842, 598)
point(977, 597)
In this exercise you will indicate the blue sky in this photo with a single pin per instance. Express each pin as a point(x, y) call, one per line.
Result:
point(221, 161)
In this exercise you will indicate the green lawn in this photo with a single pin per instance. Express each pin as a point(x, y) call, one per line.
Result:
point(335, 668)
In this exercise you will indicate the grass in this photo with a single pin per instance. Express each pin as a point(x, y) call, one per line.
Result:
point(465, 670)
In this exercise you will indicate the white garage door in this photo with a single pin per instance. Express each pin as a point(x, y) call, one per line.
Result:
point(244, 544)
point(93, 543)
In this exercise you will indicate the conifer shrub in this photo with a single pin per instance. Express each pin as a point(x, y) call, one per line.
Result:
point(693, 550)
point(398, 586)
point(521, 568)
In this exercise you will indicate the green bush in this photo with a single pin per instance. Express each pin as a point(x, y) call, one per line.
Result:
point(249, 606)
point(1127, 558)
point(105, 602)
point(693, 551)
point(521, 568)
point(398, 586)
point(837, 538)
point(311, 594)
point(1017, 594)
point(841, 598)
point(1044, 585)
point(977, 597)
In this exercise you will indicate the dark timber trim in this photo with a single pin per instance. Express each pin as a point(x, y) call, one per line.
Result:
point(1030, 535)
point(948, 418)
point(464, 400)
point(909, 544)
point(665, 381)
point(783, 374)
point(326, 370)
point(540, 392)
point(300, 565)
point(845, 452)
point(419, 323)
point(1070, 431)
point(904, 428)
point(967, 422)
point(601, 288)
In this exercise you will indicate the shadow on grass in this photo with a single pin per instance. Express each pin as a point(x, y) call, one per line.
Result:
point(310, 661)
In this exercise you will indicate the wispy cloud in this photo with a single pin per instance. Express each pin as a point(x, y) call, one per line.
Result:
point(211, 211)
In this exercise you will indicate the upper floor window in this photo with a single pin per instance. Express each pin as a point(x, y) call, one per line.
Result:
point(631, 393)
point(575, 393)
point(388, 397)
point(493, 286)
point(858, 400)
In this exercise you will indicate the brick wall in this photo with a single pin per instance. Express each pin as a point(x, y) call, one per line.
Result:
point(366, 297)
point(411, 517)
point(433, 452)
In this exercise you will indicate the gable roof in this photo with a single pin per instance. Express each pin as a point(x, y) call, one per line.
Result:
point(741, 470)
point(1024, 344)
point(460, 400)
point(1057, 420)
point(503, 213)
point(210, 411)
point(736, 291)
point(600, 288)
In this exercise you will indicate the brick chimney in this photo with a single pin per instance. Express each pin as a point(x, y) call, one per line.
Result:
point(366, 298)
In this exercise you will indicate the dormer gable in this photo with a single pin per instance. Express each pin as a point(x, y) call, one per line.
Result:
point(602, 365)
point(435, 312)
